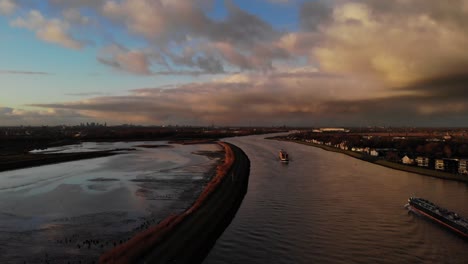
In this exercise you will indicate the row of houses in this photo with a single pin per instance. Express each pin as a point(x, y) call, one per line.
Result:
point(449, 165)
point(459, 166)
point(344, 146)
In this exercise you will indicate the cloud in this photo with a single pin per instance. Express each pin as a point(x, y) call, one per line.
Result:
point(179, 35)
point(141, 61)
point(49, 30)
point(293, 96)
point(345, 61)
point(73, 16)
point(7, 7)
point(86, 94)
point(16, 117)
point(133, 61)
point(182, 35)
point(157, 20)
point(77, 3)
point(24, 72)
point(280, 1)
point(241, 99)
point(401, 43)
point(313, 14)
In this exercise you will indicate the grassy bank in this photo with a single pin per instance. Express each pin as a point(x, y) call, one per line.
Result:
point(388, 164)
point(188, 237)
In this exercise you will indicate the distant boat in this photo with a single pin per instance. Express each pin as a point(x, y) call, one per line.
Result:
point(283, 155)
point(439, 215)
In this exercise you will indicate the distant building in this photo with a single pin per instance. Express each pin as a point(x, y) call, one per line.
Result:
point(333, 129)
point(358, 149)
point(451, 165)
point(422, 161)
point(374, 153)
point(342, 145)
point(439, 164)
point(407, 160)
point(462, 166)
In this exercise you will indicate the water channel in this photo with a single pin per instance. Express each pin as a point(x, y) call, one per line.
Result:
point(326, 207)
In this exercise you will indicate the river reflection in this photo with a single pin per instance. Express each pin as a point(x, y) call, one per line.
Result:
point(48, 212)
point(325, 207)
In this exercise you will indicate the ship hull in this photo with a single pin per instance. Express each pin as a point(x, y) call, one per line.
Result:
point(436, 218)
point(283, 156)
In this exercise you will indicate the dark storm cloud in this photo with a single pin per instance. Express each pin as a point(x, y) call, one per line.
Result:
point(452, 12)
point(314, 13)
point(450, 87)
point(265, 100)
point(316, 100)
point(240, 39)
point(241, 28)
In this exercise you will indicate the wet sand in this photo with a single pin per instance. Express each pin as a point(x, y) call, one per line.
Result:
point(188, 237)
point(76, 211)
point(15, 162)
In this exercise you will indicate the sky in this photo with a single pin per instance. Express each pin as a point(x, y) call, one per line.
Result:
point(234, 62)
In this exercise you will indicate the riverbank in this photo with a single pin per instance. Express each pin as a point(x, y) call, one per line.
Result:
point(188, 237)
point(22, 161)
point(388, 164)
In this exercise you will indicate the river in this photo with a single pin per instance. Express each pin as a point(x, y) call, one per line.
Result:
point(326, 207)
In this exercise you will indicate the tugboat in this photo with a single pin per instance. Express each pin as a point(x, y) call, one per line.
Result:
point(439, 215)
point(283, 156)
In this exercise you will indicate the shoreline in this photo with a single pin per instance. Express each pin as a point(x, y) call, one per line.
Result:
point(388, 164)
point(189, 236)
point(23, 161)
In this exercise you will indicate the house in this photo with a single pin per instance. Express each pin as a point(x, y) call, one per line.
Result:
point(451, 165)
point(462, 166)
point(358, 149)
point(374, 153)
point(439, 164)
point(422, 161)
point(407, 160)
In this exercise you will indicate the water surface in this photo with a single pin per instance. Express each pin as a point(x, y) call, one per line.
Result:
point(326, 207)
point(48, 213)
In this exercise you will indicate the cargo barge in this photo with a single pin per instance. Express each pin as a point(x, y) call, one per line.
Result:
point(439, 215)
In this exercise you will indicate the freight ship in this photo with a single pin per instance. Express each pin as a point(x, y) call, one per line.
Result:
point(283, 155)
point(439, 215)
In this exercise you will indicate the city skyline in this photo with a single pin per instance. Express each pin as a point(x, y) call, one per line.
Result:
point(259, 62)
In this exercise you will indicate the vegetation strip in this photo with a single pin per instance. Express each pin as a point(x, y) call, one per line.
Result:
point(388, 164)
point(188, 237)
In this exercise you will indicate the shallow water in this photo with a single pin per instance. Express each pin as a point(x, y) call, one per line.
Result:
point(326, 207)
point(47, 212)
